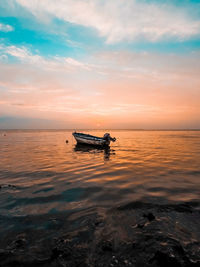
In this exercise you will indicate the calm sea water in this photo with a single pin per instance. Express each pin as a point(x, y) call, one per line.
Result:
point(42, 174)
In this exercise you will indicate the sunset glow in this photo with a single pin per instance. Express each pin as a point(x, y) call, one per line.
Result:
point(99, 64)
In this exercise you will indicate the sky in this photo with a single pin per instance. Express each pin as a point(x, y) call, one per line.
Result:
point(97, 64)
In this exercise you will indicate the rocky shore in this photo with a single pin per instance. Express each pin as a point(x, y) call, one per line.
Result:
point(136, 234)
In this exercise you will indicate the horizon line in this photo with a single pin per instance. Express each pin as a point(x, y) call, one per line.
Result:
point(96, 129)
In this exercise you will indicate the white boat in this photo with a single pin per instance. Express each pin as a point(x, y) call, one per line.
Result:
point(88, 139)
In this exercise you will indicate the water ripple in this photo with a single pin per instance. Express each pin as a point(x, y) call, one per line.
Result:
point(40, 173)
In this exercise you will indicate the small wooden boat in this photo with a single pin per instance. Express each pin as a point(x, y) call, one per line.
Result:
point(88, 139)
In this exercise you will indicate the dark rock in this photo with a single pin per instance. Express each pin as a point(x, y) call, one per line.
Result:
point(18, 243)
point(149, 216)
point(164, 260)
point(193, 264)
point(179, 249)
point(185, 207)
point(140, 225)
point(135, 205)
point(107, 246)
point(4, 254)
point(99, 223)
point(7, 186)
point(55, 253)
point(134, 245)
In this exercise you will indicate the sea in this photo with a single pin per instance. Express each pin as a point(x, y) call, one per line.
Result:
point(42, 176)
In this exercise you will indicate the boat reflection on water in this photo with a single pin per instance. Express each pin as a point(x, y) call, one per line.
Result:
point(95, 149)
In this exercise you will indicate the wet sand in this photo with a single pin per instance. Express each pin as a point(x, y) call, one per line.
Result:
point(136, 234)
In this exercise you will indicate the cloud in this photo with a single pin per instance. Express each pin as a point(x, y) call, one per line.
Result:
point(119, 20)
point(136, 87)
point(24, 55)
point(150, 63)
point(41, 85)
point(6, 28)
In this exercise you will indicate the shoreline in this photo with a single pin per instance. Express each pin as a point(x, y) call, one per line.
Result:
point(135, 234)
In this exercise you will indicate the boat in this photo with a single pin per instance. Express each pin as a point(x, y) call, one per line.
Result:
point(88, 139)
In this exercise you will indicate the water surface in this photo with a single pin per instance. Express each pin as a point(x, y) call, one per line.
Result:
point(41, 174)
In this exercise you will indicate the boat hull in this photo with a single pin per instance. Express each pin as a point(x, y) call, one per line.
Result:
point(90, 140)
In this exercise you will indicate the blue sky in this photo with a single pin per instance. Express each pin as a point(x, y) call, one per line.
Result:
point(93, 48)
point(61, 37)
